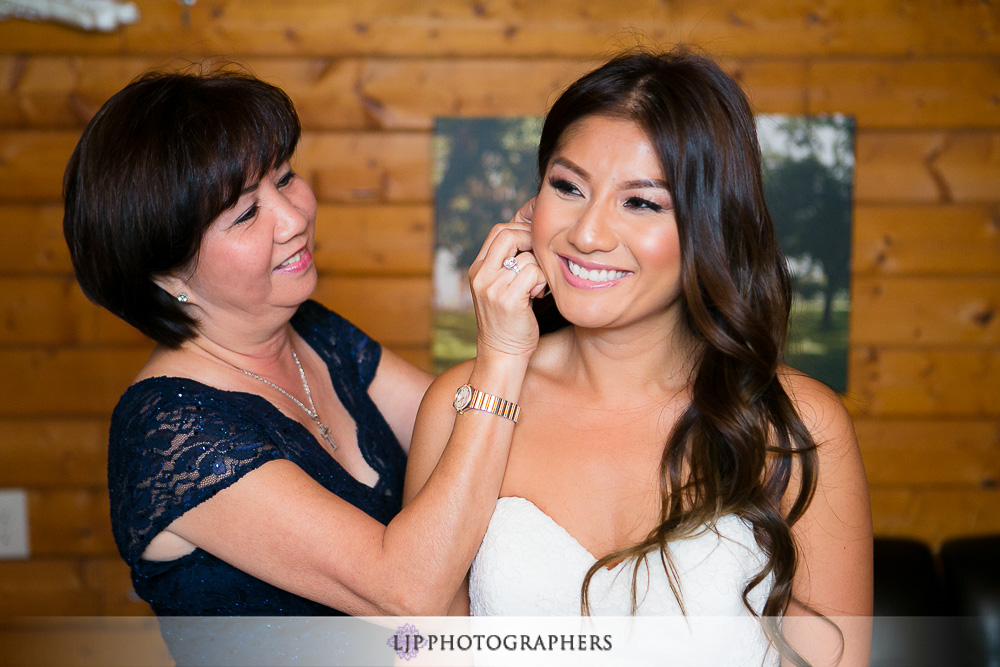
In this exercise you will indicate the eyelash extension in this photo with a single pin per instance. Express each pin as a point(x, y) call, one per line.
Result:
point(562, 185)
point(565, 187)
point(644, 203)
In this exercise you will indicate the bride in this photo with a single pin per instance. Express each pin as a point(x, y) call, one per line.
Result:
point(663, 461)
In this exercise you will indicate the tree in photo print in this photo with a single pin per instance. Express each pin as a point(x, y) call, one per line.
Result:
point(484, 170)
point(808, 180)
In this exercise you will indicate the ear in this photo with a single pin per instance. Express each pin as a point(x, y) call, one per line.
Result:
point(170, 284)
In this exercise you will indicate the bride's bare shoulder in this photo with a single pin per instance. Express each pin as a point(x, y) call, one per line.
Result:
point(822, 411)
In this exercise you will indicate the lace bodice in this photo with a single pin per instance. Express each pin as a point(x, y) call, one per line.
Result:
point(175, 443)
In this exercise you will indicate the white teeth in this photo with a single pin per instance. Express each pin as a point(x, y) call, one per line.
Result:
point(291, 260)
point(594, 275)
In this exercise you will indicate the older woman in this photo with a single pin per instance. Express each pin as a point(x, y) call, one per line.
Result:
point(256, 462)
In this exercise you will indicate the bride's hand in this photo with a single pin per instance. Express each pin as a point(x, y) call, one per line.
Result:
point(502, 292)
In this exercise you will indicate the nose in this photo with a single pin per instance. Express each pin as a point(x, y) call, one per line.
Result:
point(593, 230)
point(292, 219)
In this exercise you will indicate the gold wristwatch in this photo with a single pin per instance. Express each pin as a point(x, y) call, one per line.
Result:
point(468, 398)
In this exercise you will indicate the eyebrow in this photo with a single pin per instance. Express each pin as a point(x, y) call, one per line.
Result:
point(628, 185)
point(645, 183)
point(572, 166)
point(248, 189)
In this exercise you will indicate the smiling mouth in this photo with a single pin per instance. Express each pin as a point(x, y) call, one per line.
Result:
point(291, 260)
point(594, 275)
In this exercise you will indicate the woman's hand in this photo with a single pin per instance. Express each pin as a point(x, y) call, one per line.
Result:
point(502, 292)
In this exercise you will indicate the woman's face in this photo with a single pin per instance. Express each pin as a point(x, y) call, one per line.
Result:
point(258, 254)
point(603, 229)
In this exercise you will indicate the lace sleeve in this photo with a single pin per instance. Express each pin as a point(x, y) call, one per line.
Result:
point(174, 444)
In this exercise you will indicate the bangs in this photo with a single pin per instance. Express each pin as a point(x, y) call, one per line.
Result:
point(256, 133)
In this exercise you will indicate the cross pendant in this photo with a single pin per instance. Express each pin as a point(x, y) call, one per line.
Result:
point(324, 430)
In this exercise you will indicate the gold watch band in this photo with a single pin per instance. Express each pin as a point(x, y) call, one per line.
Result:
point(470, 398)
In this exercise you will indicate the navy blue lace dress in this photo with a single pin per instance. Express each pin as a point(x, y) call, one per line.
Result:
point(176, 442)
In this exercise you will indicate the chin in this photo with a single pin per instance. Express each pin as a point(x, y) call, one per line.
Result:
point(588, 318)
point(305, 291)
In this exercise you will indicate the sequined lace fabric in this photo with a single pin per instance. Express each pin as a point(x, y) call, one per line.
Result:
point(175, 443)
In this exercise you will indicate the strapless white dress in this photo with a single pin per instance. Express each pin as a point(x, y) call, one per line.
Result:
point(529, 565)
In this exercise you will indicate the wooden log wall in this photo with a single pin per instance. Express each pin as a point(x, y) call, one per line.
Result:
point(922, 80)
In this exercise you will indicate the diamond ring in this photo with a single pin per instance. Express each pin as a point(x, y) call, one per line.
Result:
point(511, 263)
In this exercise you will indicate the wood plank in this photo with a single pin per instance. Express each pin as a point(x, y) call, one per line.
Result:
point(380, 240)
point(110, 576)
point(69, 586)
point(932, 240)
point(33, 240)
point(928, 94)
point(367, 167)
point(70, 522)
point(889, 311)
point(67, 383)
point(55, 92)
point(894, 167)
point(32, 164)
point(395, 311)
point(352, 93)
point(772, 86)
point(969, 163)
point(53, 453)
point(329, 94)
point(918, 452)
point(45, 586)
point(383, 240)
point(409, 94)
point(84, 642)
point(368, 93)
point(454, 27)
point(61, 92)
point(53, 311)
point(927, 382)
point(934, 515)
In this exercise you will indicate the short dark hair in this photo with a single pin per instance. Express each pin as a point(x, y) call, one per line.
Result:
point(155, 166)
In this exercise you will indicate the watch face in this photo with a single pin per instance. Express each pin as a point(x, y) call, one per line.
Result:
point(463, 397)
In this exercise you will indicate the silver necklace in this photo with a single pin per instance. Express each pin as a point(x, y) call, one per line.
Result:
point(324, 430)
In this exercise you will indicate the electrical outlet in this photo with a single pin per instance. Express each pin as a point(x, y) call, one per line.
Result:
point(13, 523)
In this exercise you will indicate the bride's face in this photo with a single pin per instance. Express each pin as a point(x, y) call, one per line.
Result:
point(603, 228)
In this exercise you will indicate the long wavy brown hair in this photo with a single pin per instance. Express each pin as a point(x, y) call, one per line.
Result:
point(732, 449)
